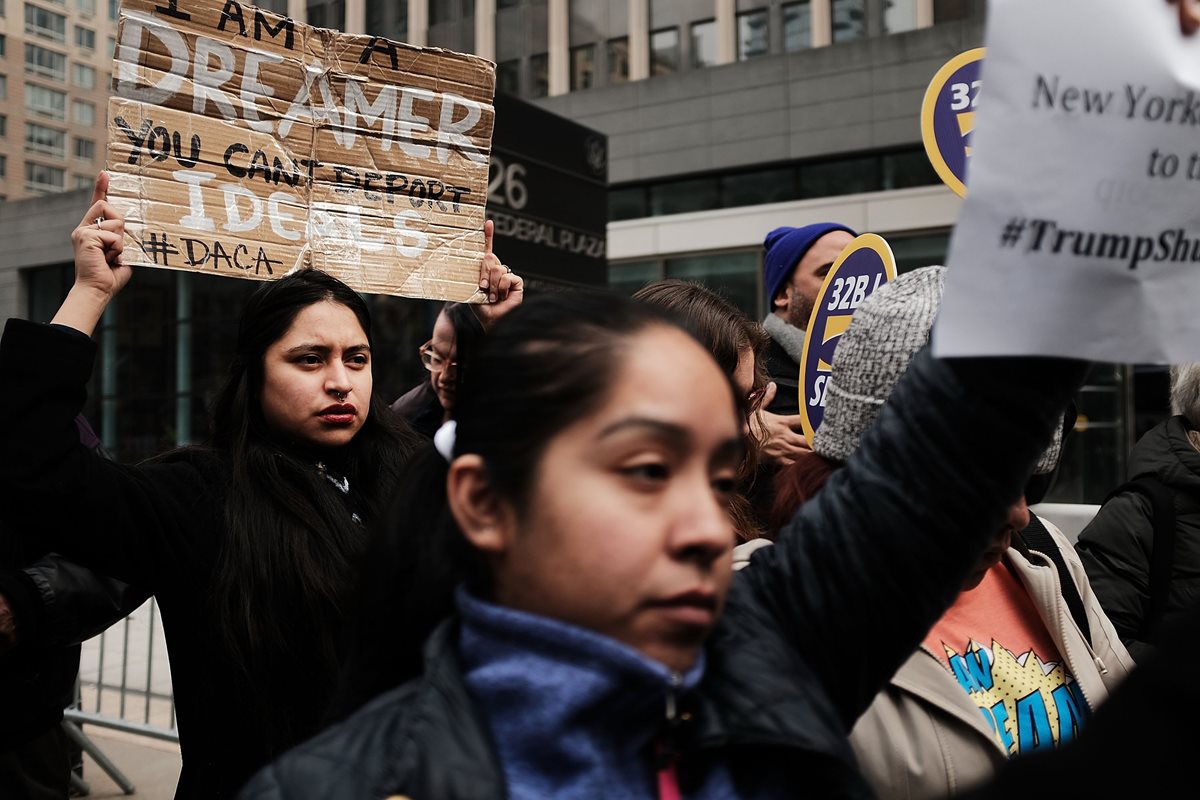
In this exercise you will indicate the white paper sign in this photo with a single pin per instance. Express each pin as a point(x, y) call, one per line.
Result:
point(1080, 234)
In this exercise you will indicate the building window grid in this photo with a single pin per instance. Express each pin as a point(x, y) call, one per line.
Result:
point(753, 35)
point(849, 20)
point(617, 51)
point(539, 75)
point(43, 178)
point(84, 149)
point(3, 45)
point(664, 51)
point(704, 43)
point(48, 141)
point(45, 102)
point(797, 26)
point(83, 112)
point(87, 7)
point(85, 38)
point(583, 67)
point(45, 24)
point(48, 63)
point(83, 76)
point(832, 177)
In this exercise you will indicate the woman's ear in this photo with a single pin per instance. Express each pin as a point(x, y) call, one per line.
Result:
point(483, 516)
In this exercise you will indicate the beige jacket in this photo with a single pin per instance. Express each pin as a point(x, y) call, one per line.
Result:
point(923, 737)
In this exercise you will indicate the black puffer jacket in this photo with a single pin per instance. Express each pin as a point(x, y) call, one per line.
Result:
point(1115, 546)
point(811, 631)
point(56, 604)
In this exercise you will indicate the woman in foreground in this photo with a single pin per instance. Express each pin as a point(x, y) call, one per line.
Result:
point(601, 645)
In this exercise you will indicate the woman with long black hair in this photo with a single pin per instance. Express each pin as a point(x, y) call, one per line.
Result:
point(249, 542)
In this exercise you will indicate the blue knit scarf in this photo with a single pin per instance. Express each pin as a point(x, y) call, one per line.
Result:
point(573, 714)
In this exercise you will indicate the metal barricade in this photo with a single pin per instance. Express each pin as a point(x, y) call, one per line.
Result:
point(124, 684)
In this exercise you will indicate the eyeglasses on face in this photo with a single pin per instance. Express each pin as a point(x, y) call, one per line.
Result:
point(434, 362)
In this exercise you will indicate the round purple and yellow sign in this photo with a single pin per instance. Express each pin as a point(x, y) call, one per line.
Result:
point(948, 117)
point(865, 265)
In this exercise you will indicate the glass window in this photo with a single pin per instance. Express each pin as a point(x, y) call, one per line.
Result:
point(753, 39)
point(508, 76)
point(3, 45)
point(83, 76)
point(3, 125)
point(912, 252)
point(443, 11)
point(761, 186)
point(899, 16)
point(627, 203)
point(664, 51)
point(843, 176)
point(83, 112)
point(46, 24)
point(85, 38)
point(41, 178)
point(849, 20)
point(388, 18)
point(84, 181)
point(40, 139)
point(539, 75)
point(733, 274)
point(86, 6)
point(949, 10)
point(508, 3)
point(704, 43)
point(46, 102)
point(114, 6)
point(677, 197)
point(3, 166)
point(85, 149)
point(3, 87)
point(583, 67)
point(797, 26)
point(40, 61)
point(627, 277)
point(327, 14)
point(910, 168)
point(112, 46)
point(618, 60)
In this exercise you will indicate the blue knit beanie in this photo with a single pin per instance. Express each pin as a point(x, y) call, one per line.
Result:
point(785, 246)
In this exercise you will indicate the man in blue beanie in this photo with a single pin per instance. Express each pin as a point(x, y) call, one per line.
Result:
point(795, 262)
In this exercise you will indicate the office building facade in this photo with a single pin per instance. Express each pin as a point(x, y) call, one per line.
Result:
point(724, 118)
point(55, 63)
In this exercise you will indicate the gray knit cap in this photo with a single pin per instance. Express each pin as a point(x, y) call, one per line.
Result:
point(887, 330)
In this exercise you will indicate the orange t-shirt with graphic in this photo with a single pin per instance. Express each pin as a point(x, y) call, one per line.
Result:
point(997, 647)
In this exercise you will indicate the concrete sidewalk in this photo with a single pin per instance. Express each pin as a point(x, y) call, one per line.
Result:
point(151, 765)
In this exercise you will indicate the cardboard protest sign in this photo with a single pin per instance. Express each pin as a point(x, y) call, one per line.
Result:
point(246, 144)
point(948, 117)
point(866, 264)
point(1081, 233)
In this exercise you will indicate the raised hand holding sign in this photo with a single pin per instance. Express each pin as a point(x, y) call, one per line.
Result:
point(865, 265)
